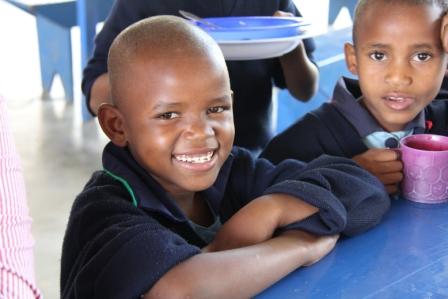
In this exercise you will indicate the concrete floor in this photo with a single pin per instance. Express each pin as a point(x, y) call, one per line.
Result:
point(58, 151)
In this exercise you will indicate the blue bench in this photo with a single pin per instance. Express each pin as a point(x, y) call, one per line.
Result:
point(337, 5)
point(54, 19)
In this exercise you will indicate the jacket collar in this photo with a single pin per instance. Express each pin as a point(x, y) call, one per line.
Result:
point(149, 194)
point(345, 99)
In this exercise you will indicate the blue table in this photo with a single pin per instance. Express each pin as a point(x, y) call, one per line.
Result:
point(405, 257)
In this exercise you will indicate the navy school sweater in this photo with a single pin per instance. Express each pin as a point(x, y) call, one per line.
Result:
point(125, 232)
point(326, 130)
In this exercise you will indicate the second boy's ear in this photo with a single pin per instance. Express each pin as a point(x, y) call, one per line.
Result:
point(444, 32)
point(111, 121)
point(350, 58)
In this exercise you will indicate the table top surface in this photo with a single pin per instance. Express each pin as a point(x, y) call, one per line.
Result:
point(405, 256)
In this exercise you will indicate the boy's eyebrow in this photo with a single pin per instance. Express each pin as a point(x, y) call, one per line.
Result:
point(174, 105)
point(385, 46)
point(223, 98)
point(166, 105)
point(424, 46)
point(377, 45)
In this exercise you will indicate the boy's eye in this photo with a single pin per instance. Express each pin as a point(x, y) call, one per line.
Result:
point(216, 109)
point(378, 56)
point(168, 115)
point(422, 57)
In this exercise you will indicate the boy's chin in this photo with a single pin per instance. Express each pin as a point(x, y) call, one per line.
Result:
point(197, 184)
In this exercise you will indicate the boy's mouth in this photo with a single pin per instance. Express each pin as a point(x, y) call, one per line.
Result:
point(195, 158)
point(398, 102)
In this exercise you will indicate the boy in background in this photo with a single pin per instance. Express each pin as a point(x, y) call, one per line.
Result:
point(398, 57)
point(177, 212)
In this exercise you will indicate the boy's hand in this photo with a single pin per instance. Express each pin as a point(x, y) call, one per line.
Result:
point(385, 164)
point(315, 247)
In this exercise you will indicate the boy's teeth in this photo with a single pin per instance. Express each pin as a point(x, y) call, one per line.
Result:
point(195, 158)
point(396, 99)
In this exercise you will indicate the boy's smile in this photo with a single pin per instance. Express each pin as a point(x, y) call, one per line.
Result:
point(399, 60)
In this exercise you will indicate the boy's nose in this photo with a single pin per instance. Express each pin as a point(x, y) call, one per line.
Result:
point(399, 75)
point(198, 128)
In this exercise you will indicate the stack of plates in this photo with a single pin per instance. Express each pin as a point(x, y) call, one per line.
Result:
point(246, 38)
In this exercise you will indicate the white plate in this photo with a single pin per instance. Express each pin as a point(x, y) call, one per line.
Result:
point(258, 48)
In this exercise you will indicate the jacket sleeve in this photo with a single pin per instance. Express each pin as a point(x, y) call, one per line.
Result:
point(350, 199)
point(305, 140)
point(112, 249)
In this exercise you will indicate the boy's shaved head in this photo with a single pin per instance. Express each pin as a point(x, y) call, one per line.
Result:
point(363, 5)
point(172, 103)
point(161, 40)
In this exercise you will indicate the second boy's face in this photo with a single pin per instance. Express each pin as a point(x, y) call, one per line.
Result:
point(399, 60)
point(180, 125)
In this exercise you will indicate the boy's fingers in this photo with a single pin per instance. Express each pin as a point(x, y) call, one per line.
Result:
point(384, 155)
point(387, 167)
point(391, 178)
point(392, 188)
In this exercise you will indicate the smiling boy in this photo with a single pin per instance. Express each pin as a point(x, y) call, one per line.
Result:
point(398, 57)
point(177, 212)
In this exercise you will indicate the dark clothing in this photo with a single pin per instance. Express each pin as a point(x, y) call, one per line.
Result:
point(327, 130)
point(251, 81)
point(125, 231)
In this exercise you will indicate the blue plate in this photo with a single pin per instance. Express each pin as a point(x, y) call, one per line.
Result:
point(247, 28)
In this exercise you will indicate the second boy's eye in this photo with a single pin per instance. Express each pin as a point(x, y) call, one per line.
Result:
point(216, 109)
point(168, 115)
point(420, 57)
point(378, 56)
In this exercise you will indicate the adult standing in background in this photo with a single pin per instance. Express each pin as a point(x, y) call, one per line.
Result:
point(251, 81)
point(16, 242)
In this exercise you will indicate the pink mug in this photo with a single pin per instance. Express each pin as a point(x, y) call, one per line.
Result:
point(425, 163)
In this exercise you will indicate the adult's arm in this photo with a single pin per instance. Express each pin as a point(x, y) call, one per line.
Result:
point(16, 242)
point(99, 93)
point(300, 73)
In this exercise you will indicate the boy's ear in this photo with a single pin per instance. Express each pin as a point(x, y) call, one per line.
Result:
point(350, 58)
point(111, 122)
point(444, 32)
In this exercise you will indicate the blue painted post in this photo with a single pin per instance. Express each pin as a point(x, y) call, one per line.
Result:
point(89, 13)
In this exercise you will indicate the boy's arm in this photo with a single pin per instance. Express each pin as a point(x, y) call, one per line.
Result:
point(243, 272)
point(257, 221)
point(385, 164)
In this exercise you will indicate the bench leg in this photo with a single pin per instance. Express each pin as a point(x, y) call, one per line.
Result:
point(337, 5)
point(55, 53)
